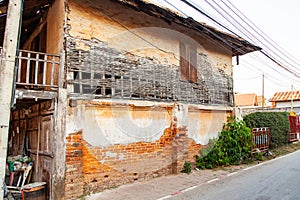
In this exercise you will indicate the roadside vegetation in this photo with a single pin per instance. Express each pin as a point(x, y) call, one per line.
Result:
point(277, 122)
point(231, 148)
point(234, 145)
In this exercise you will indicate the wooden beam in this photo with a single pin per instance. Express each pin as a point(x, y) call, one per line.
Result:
point(60, 116)
point(33, 94)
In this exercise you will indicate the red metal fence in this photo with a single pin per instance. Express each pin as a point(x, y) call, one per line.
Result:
point(294, 128)
point(261, 138)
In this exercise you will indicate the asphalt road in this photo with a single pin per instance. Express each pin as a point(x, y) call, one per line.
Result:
point(275, 179)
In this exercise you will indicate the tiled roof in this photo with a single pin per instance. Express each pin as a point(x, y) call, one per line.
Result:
point(285, 96)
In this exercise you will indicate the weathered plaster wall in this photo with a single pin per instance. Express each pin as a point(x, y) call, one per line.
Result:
point(109, 41)
point(143, 35)
point(128, 125)
point(205, 124)
point(106, 72)
point(112, 142)
point(106, 123)
point(110, 123)
point(154, 139)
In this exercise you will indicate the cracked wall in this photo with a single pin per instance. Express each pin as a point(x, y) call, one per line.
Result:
point(114, 143)
point(130, 116)
point(112, 53)
point(103, 71)
point(94, 164)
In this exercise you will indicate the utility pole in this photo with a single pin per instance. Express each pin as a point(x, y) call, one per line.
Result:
point(263, 92)
point(7, 75)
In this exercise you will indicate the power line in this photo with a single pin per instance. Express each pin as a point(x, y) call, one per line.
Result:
point(246, 79)
point(253, 36)
point(268, 76)
point(263, 52)
point(203, 13)
point(275, 80)
point(179, 10)
point(272, 42)
point(208, 30)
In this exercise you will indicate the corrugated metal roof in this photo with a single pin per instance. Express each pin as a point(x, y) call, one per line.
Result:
point(285, 96)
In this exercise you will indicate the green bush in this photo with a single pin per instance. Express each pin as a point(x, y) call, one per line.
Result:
point(187, 167)
point(277, 122)
point(232, 147)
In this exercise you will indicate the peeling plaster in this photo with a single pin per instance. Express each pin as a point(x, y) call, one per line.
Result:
point(106, 125)
point(205, 125)
point(124, 122)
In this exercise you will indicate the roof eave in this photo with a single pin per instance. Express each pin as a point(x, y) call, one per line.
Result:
point(239, 45)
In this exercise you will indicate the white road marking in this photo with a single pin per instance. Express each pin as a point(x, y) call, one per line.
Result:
point(213, 180)
point(165, 197)
point(233, 173)
point(190, 188)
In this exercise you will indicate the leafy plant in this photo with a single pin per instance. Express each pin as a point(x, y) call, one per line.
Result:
point(258, 156)
point(187, 167)
point(232, 147)
point(276, 121)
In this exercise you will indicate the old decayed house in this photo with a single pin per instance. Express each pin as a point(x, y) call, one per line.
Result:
point(109, 92)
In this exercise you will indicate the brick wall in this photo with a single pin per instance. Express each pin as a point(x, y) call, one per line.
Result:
point(93, 169)
point(74, 157)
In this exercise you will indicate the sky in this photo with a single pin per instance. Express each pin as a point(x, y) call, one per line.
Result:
point(279, 20)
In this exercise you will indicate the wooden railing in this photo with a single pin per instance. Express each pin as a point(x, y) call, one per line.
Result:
point(36, 70)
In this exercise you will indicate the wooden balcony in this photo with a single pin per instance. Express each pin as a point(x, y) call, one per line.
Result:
point(37, 73)
point(37, 70)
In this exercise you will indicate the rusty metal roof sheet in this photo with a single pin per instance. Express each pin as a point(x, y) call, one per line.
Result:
point(286, 96)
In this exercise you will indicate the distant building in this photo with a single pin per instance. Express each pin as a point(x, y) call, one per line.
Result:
point(286, 99)
point(261, 101)
point(248, 100)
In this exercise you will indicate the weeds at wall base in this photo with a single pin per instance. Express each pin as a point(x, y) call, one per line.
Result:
point(232, 147)
point(187, 167)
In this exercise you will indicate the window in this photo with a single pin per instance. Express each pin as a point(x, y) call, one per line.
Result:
point(188, 62)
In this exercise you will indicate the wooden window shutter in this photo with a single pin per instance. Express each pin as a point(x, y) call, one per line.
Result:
point(184, 64)
point(193, 64)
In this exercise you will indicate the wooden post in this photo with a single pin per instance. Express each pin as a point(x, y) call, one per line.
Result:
point(7, 75)
point(58, 181)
